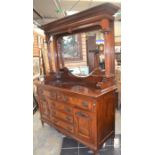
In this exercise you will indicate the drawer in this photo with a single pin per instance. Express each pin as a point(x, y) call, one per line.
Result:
point(49, 94)
point(63, 107)
point(82, 103)
point(64, 125)
point(63, 116)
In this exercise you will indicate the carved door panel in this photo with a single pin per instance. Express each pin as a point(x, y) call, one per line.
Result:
point(84, 123)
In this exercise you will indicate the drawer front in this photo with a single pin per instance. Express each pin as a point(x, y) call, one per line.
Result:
point(83, 103)
point(64, 125)
point(63, 116)
point(49, 94)
point(66, 108)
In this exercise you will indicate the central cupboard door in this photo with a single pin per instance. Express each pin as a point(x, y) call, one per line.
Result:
point(84, 125)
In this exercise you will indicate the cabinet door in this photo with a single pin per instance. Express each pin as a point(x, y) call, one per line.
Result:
point(84, 125)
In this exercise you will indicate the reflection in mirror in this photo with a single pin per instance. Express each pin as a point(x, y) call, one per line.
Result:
point(71, 47)
point(83, 52)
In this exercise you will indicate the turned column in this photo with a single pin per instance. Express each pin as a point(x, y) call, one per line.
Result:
point(48, 39)
point(53, 55)
point(60, 56)
point(56, 54)
point(108, 31)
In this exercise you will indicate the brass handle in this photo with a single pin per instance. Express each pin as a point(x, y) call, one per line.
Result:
point(85, 104)
point(81, 114)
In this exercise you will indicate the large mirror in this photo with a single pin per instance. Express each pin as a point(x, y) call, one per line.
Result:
point(83, 52)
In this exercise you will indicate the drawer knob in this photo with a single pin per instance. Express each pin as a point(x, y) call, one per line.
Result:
point(81, 114)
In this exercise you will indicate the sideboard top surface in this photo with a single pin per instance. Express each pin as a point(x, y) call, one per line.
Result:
point(78, 88)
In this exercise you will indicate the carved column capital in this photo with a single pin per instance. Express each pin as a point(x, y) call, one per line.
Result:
point(105, 25)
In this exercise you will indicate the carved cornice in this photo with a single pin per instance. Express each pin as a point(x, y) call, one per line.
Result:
point(84, 18)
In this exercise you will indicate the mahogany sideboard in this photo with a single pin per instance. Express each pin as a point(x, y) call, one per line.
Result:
point(83, 113)
point(81, 107)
